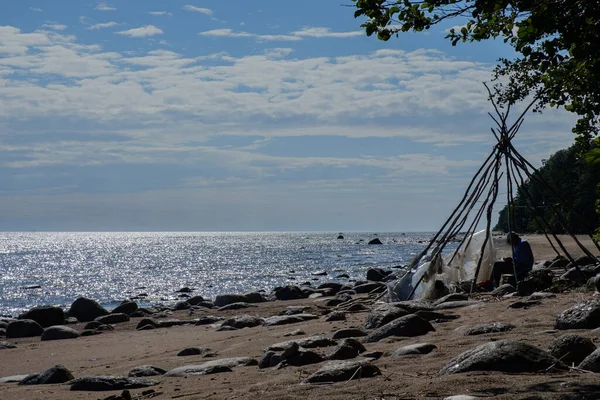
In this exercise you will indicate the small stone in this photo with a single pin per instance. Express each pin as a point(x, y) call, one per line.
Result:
point(348, 333)
point(418, 348)
point(106, 383)
point(192, 351)
point(59, 332)
point(339, 371)
point(56, 374)
point(146, 370)
point(335, 316)
point(409, 325)
point(493, 327)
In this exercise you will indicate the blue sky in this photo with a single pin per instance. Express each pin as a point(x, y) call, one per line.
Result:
point(238, 116)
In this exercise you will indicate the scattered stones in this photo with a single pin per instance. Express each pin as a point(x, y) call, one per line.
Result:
point(584, 315)
point(212, 367)
point(349, 348)
point(237, 306)
point(126, 307)
point(335, 316)
point(592, 362)
point(383, 314)
point(348, 333)
point(56, 374)
point(288, 319)
point(571, 348)
point(337, 371)
point(105, 383)
point(243, 321)
point(504, 356)
point(409, 325)
point(418, 348)
point(86, 310)
point(503, 290)
point(59, 332)
point(7, 345)
point(193, 351)
point(113, 318)
point(493, 327)
point(45, 315)
point(23, 328)
point(146, 370)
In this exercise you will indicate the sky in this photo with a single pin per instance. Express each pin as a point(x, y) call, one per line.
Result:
point(192, 115)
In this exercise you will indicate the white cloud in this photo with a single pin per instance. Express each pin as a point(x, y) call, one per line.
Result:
point(102, 25)
point(144, 31)
point(102, 6)
point(34, 9)
point(197, 9)
point(56, 27)
point(160, 13)
point(325, 32)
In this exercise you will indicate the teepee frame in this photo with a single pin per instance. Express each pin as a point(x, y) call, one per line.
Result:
point(484, 188)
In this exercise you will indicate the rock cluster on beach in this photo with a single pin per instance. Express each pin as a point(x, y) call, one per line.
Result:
point(348, 353)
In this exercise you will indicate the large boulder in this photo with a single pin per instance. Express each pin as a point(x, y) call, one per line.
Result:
point(126, 307)
point(584, 315)
point(224, 299)
point(86, 310)
point(45, 315)
point(376, 274)
point(23, 328)
point(383, 314)
point(59, 332)
point(571, 348)
point(504, 356)
point(342, 371)
point(56, 374)
point(591, 362)
point(349, 348)
point(375, 241)
point(289, 293)
point(114, 318)
point(409, 325)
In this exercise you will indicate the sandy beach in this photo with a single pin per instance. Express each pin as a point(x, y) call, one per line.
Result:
point(409, 377)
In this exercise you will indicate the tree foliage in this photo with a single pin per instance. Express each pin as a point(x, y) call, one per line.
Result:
point(557, 42)
point(575, 181)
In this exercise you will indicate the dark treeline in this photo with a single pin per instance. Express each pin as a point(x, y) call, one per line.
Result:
point(575, 181)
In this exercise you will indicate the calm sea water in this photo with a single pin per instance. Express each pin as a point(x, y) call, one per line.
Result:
point(112, 266)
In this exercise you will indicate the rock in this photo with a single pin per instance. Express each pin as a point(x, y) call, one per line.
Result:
point(452, 297)
point(184, 290)
point(335, 316)
point(559, 263)
point(333, 286)
point(349, 348)
point(383, 314)
point(340, 371)
point(13, 378)
point(418, 348)
point(289, 293)
point(45, 315)
point(302, 357)
point(462, 397)
point(375, 355)
point(113, 318)
point(409, 325)
point(592, 362)
point(146, 370)
point(297, 332)
point(492, 327)
point(584, 315)
point(86, 310)
point(212, 367)
point(265, 360)
point(243, 321)
point(308, 343)
point(126, 307)
point(504, 356)
point(288, 319)
point(59, 332)
point(577, 276)
point(538, 280)
point(585, 260)
point(93, 325)
point(207, 320)
point(457, 304)
point(106, 383)
point(7, 345)
point(375, 241)
point(224, 299)
point(254, 297)
point(571, 348)
point(435, 316)
point(236, 306)
point(524, 304)
point(370, 287)
point(348, 333)
point(319, 273)
point(376, 274)
point(597, 284)
point(90, 333)
point(192, 351)
point(56, 374)
point(541, 296)
point(23, 328)
point(412, 306)
point(503, 290)
point(225, 328)
point(144, 323)
point(195, 300)
point(342, 276)
point(183, 305)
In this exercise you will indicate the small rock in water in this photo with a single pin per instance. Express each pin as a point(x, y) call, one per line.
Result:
point(319, 273)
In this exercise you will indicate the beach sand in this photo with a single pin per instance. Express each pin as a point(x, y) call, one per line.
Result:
point(409, 377)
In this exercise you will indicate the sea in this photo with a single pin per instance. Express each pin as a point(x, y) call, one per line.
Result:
point(55, 268)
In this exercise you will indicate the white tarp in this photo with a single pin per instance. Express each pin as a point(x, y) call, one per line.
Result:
point(462, 268)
